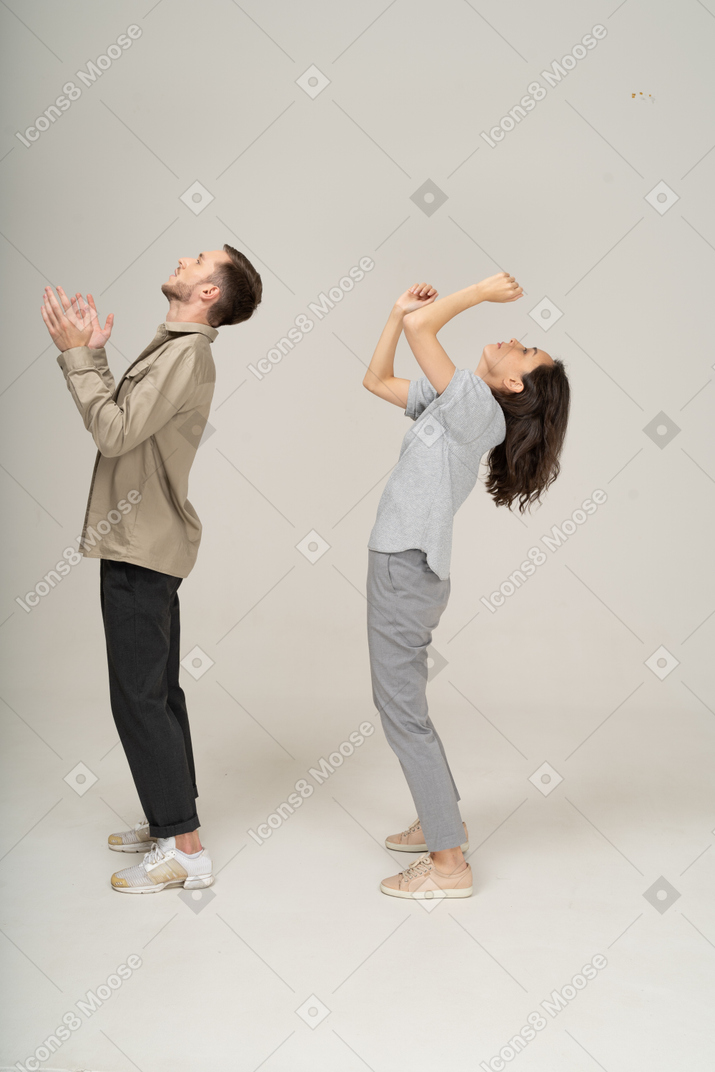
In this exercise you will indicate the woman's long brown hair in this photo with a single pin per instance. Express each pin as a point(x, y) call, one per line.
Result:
point(523, 466)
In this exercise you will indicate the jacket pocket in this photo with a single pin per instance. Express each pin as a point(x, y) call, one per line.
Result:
point(137, 371)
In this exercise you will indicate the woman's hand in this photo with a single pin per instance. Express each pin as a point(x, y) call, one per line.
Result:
point(417, 297)
point(501, 287)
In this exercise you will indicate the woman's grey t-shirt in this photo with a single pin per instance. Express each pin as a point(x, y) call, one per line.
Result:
point(437, 467)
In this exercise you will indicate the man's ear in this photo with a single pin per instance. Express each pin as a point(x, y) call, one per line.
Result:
point(210, 291)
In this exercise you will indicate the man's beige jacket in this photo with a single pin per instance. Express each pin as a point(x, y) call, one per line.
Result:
point(147, 432)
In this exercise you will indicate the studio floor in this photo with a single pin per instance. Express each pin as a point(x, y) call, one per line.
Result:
point(295, 962)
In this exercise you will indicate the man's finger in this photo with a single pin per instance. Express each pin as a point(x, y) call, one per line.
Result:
point(51, 326)
point(63, 298)
point(72, 312)
point(48, 325)
point(56, 307)
point(93, 319)
point(57, 315)
point(54, 304)
point(90, 299)
point(50, 312)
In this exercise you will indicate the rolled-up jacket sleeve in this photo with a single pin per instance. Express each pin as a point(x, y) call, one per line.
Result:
point(159, 391)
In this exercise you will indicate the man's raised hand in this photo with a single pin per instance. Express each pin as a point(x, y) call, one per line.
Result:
point(64, 325)
point(99, 335)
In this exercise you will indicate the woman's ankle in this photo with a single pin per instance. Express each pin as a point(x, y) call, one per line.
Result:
point(449, 860)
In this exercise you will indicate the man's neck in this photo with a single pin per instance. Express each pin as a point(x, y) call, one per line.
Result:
point(185, 314)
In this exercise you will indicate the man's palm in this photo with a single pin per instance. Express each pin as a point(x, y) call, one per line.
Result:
point(99, 335)
point(83, 313)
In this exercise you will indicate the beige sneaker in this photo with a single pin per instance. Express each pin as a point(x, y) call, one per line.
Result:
point(413, 840)
point(423, 881)
point(138, 839)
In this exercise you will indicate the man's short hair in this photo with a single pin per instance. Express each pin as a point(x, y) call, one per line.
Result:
point(241, 290)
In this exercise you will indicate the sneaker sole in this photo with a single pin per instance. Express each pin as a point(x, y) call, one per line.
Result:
point(416, 848)
point(427, 895)
point(197, 882)
point(141, 846)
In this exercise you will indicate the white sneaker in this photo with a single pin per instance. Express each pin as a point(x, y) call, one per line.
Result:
point(138, 839)
point(163, 866)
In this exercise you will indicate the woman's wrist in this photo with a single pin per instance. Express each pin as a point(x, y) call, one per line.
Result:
point(478, 294)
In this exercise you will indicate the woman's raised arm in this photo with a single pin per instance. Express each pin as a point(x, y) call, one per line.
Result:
point(422, 325)
point(380, 377)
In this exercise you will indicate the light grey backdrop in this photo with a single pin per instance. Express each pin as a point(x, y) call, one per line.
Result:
point(317, 134)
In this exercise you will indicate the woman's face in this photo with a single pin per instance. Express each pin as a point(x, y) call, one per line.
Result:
point(502, 364)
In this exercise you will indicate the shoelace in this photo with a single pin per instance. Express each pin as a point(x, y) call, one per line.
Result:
point(411, 829)
point(142, 822)
point(154, 855)
point(419, 867)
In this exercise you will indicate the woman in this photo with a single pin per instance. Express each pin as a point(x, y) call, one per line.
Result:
point(515, 407)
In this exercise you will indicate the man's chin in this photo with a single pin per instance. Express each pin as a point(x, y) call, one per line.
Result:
point(176, 292)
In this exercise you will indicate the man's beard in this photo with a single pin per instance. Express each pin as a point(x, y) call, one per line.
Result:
point(180, 292)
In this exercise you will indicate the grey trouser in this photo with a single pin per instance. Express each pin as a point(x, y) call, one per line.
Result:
point(405, 601)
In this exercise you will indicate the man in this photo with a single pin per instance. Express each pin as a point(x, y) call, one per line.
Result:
point(141, 525)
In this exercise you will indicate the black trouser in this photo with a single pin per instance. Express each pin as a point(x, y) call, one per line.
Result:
point(140, 608)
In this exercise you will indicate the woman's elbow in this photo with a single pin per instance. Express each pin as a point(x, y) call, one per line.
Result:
point(412, 322)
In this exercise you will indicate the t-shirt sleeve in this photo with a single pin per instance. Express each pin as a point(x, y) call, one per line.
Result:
point(419, 395)
point(467, 408)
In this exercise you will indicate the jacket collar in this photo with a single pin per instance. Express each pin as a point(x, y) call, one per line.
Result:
point(186, 326)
